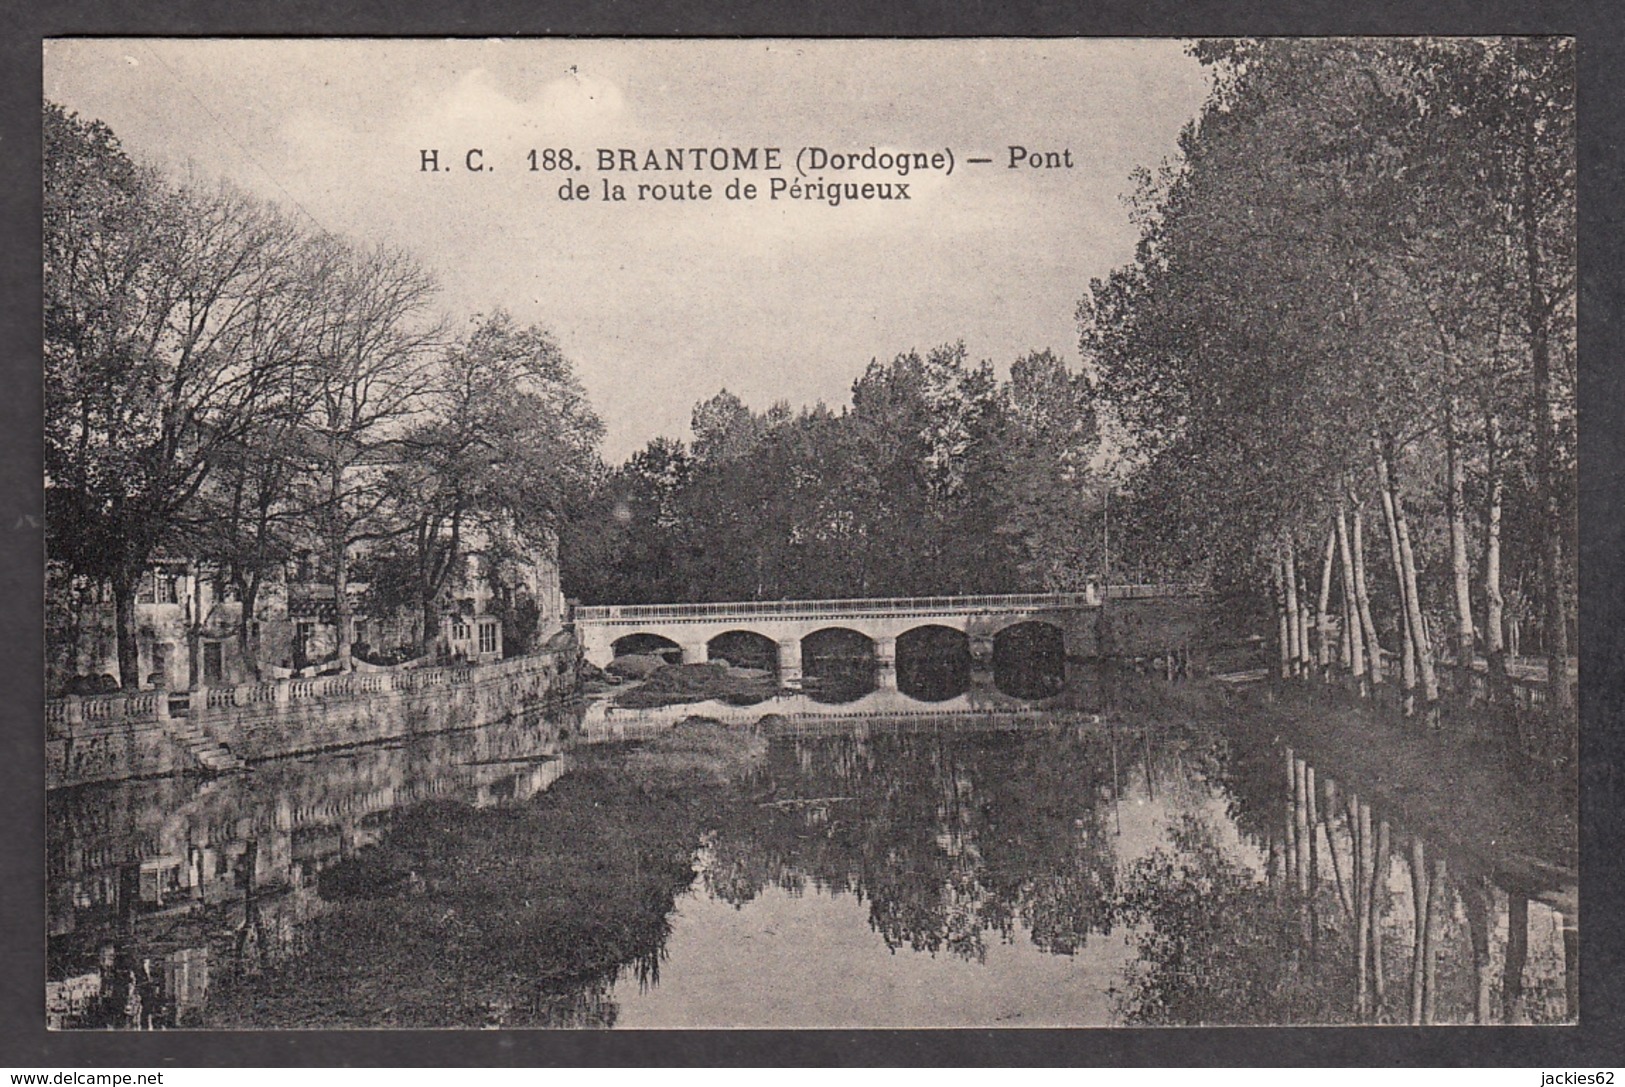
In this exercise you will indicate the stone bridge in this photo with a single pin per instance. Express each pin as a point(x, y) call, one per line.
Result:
point(604, 630)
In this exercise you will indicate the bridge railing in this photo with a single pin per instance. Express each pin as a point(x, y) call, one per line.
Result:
point(872, 606)
point(858, 606)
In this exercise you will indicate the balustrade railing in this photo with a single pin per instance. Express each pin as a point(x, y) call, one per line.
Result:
point(62, 714)
point(102, 709)
point(888, 605)
point(876, 605)
point(257, 693)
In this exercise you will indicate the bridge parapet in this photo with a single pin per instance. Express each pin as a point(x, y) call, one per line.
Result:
point(813, 609)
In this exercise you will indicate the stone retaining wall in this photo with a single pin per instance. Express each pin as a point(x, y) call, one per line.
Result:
point(1149, 627)
point(142, 734)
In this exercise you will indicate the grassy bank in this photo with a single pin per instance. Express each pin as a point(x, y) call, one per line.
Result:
point(680, 684)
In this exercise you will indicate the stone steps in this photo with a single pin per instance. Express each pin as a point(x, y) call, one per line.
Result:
point(212, 756)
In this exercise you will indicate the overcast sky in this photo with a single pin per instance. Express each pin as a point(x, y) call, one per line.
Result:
point(661, 304)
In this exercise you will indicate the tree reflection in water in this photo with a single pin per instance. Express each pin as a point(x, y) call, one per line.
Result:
point(1311, 915)
point(1353, 919)
point(516, 916)
point(1215, 944)
point(949, 837)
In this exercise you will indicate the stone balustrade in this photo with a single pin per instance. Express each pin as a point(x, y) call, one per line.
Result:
point(124, 735)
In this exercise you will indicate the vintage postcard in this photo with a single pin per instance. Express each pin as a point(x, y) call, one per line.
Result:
point(754, 533)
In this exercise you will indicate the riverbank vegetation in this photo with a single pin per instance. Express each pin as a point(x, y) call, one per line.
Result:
point(1525, 810)
point(1343, 356)
point(1525, 815)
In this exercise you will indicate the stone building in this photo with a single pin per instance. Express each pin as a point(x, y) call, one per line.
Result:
point(188, 623)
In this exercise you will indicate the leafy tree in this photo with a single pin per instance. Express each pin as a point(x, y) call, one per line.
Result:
point(246, 520)
point(1326, 307)
point(938, 479)
point(1047, 501)
point(927, 439)
point(724, 429)
point(225, 383)
point(506, 443)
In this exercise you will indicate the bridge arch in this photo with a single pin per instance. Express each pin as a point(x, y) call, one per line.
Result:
point(933, 662)
point(839, 664)
point(1029, 635)
point(843, 642)
point(1029, 659)
point(932, 636)
point(744, 649)
point(645, 642)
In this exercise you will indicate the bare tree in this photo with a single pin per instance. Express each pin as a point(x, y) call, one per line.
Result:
point(373, 348)
point(153, 294)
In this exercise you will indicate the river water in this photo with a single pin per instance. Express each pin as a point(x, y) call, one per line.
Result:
point(883, 861)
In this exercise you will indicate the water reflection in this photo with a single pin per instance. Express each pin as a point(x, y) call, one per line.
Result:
point(1037, 869)
point(950, 837)
point(933, 663)
point(839, 666)
point(155, 886)
point(1245, 895)
point(1397, 929)
point(1026, 662)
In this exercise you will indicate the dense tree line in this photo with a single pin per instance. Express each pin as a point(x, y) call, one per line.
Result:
point(1344, 352)
point(938, 478)
point(226, 383)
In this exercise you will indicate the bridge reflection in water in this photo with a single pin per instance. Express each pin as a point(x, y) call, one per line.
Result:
point(919, 852)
